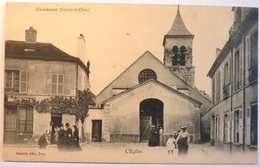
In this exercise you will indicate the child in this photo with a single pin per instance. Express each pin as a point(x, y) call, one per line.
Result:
point(170, 144)
point(42, 142)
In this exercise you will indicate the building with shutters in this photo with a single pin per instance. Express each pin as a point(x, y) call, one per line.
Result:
point(151, 92)
point(233, 114)
point(36, 71)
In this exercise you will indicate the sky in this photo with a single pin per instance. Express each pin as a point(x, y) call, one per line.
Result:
point(110, 50)
point(118, 34)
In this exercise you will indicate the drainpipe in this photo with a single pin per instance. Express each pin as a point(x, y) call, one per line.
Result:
point(231, 99)
point(244, 98)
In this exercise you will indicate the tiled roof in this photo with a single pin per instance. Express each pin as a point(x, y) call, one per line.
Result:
point(178, 27)
point(40, 51)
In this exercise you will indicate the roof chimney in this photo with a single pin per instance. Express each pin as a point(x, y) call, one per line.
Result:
point(218, 52)
point(30, 35)
point(81, 48)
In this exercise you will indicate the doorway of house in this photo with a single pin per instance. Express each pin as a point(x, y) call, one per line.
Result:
point(96, 130)
point(57, 119)
point(151, 113)
point(254, 124)
point(10, 124)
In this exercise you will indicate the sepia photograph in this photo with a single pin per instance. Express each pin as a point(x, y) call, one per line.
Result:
point(118, 83)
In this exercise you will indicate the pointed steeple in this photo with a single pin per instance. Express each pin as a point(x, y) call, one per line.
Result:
point(178, 28)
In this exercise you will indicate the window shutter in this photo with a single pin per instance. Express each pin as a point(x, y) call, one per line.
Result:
point(60, 84)
point(54, 83)
point(229, 71)
point(221, 127)
point(23, 81)
point(240, 66)
point(240, 126)
point(228, 126)
point(247, 128)
point(232, 127)
point(249, 53)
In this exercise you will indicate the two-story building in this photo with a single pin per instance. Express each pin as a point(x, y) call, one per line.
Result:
point(36, 71)
point(233, 115)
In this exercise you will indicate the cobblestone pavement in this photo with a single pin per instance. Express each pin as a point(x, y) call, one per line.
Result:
point(126, 153)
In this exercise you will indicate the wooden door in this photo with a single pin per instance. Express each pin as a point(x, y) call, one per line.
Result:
point(96, 130)
point(10, 133)
point(145, 123)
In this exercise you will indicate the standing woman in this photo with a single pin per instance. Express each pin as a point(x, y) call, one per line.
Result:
point(183, 141)
point(161, 138)
point(61, 139)
point(153, 136)
point(76, 139)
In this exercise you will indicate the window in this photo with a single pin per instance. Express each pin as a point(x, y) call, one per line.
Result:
point(225, 127)
point(218, 87)
point(213, 91)
point(252, 53)
point(146, 75)
point(238, 70)
point(57, 83)
point(217, 128)
point(179, 56)
point(16, 81)
point(25, 120)
point(253, 129)
point(226, 79)
point(236, 126)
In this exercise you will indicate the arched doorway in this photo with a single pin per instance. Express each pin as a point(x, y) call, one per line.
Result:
point(151, 113)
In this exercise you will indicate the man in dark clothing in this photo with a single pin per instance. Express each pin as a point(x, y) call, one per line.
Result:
point(68, 137)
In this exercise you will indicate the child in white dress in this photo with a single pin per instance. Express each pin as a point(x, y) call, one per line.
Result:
point(170, 144)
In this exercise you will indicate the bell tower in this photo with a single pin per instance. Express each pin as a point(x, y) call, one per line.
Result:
point(177, 45)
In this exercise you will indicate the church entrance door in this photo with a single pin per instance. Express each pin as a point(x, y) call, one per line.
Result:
point(151, 113)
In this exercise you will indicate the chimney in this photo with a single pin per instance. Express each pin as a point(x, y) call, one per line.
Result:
point(81, 48)
point(218, 52)
point(30, 35)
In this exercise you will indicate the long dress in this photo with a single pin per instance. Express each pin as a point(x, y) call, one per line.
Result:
point(61, 140)
point(42, 142)
point(68, 139)
point(153, 138)
point(76, 140)
point(182, 142)
point(161, 138)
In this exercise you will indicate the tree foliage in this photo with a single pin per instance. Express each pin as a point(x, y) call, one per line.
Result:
point(58, 104)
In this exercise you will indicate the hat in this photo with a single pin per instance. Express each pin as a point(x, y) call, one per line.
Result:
point(67, 124)
point(152, 126)
point(184, 127)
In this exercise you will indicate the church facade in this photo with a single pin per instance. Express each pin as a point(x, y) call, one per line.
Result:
point(150, 92)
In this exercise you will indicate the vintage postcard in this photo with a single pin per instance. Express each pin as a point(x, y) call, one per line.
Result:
point(130, 83)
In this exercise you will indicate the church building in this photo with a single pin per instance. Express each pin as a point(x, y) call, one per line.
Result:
point(150, 92)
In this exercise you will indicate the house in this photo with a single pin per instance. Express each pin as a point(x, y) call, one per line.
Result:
point(35, 72)
point(151, 92)
point(233, 114)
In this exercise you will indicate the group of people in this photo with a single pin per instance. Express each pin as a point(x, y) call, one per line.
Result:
point(156, 137)
point(65, 138)
point(180, 139)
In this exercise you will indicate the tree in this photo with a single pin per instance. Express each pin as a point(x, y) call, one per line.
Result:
point(85, 99)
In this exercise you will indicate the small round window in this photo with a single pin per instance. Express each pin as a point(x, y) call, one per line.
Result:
point(146, 75)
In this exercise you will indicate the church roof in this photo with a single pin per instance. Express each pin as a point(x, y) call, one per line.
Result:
point(178, 26)
point(192, 100)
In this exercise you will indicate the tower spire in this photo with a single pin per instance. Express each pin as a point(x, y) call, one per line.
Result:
point(178, 8)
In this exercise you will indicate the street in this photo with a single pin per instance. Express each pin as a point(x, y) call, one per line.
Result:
point(126, 153)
